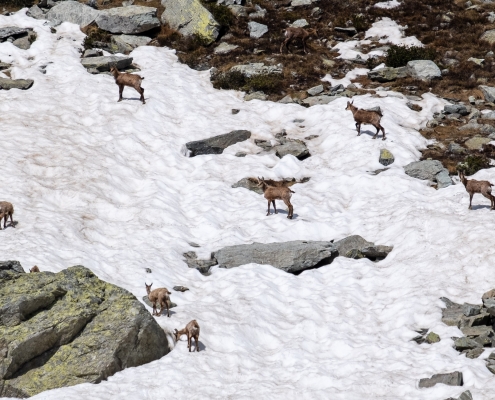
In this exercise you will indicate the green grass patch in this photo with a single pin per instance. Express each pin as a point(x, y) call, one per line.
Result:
point(473, 164)
point(399, 56)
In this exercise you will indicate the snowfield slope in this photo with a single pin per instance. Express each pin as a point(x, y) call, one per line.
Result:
point(103, 184)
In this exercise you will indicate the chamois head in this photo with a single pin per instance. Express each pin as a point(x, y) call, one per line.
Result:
point(312, 31)
point(176, 334)
point(148, 287)
point(261, 182)
point(113, 70)
point(350, 105)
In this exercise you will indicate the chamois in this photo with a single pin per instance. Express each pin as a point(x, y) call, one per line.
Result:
point(34, 269)
point(192, 331)
point(473, 186)
point(366, 117)
point(296, 33)
point(272, 193)
point(6, 210)
point(160, 296)
point(123, 79)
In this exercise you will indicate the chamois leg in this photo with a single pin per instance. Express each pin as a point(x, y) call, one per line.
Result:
point(154, 308)
point(168, 307)
point(304, 46)
point(470, 200)
point(488, 195)
point(1, 217)
point(189, 342)
point(358, 126)
point(291, 209)
point(141, 92)
point(12, 221)
point(4, 221)
point(383, 131)
point(268, 212)
point(196, 341)
point(121, 89)
point(275, 208)
point(376, 134)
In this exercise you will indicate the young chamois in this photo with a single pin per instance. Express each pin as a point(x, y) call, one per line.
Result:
point(160, 296)
point(192, 331)
point(296, 33)
point(473, 186)
point(366, 117)
point(34, 269)
point(123, 79)
point(272, 193)
point(6, 210)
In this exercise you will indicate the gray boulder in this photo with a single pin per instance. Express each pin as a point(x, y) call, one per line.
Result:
point(488, 36)
point(23, 84)
point(300, 23)
point(293, 257)
point(253, 69)
point(488, 92)
point(315, 90)
point(92, 53)
point(128, 20)
point(465, 343)
point(424, 70)
point(72, 11)
point(357, 247)
point(12, 31)
point(451, 379)
point(189, 17)
point(216, 144)
point(35, 12)
point(386, 157)
point(224, 48)
point(351, 31)
point(455, 148)
point(295, 147)
point(202, 266)
point(104, 63)
point(476, 142)
point(387, 74)
point(256, 30)
point(429, 170)
point(126, 43)
point(298, 3)
point(455, 109)
point(63, 329)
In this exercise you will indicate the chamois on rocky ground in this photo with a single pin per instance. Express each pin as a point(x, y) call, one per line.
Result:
point(473, 186)
point(296, 33)
point(192, 331)
point(366, 117)
point(124, 79)
point(159, 296)
point(34, 269)
point(6, 210)
point(272, 193)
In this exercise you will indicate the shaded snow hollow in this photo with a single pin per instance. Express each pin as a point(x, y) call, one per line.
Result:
point(103, 184)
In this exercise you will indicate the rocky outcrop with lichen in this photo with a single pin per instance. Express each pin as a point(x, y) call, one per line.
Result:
point(68, 328)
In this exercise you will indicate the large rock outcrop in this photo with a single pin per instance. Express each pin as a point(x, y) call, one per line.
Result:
point(63, 329)
point(431, 170)
point(72, 11)
point(189, 17)
point(215, 144)
point(103, 63)
point(128, 20)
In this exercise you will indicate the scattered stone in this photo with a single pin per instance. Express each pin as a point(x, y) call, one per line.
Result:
point(148, 270)
point(476, 142)
point(432, 337)
point(23, 84)
point(477, 61)
point(470, 309)
point(351, 31)
point(300, 23)
point(103, 63)
point(424, 70)
point(25, 42)
point(189, 17)
point(319, 100)
point(35, 12)
point(465, 343)
point(455, 109)
point(414, 107)
point(4, 66)
point(489, 36)
point(224, 48)
point(474, 353)
point(128, 20)
point(315, 90)
point(68, 328)
point(93, 53)
point(216, 144)
point(357, 247)
point(455, 148)
point(488, 91)
point(386, 157)
point(451, 379)
point(311, 137)
point(256, 30)
point(256, 96)
point(238, 11)
point(235, 111)
point(259, 14)
point(298, 3)
point(12, 32)
point(203, 266)
point(126, 43)
point(72, 11)
point(180, 288)
point(432, 170)
point(252, 69)
point(295, 147)
point(387, 74)
point(241, 154)
point(286, 100)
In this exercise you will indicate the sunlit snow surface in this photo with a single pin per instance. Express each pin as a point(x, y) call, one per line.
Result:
point(103, 184)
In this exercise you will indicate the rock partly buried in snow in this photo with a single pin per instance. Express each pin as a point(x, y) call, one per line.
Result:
point(63, 329)
point(256, 96)
point(253, 69)
point(202, 266)
point(105, 62)
point(216, 144)
point(351, 31)
point(126, 43)
point(451, 379)
point(315, 90)
point(35, 12)
point(293, 257)
point(256, 30)
point(12, 31)
point(252, 183)
point(128, 20)
point(424, 70)
point(455, 109)
point(387, 74)
point(386, 157)
point(23, 84)
point(488, 93)
point(189, 17)
point(320, 100)
point(357, 247)
point(432, 170)
point(72, 11)
point(92, 53)
point(294, 147)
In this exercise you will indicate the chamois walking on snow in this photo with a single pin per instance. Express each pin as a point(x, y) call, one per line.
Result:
point(124, 79)
point(34, 269)
point(296, 33)
point(473, 186)
point(6, 210)
point(159, 296)
point(366, 117)
point(192, 331)
point(273, 193)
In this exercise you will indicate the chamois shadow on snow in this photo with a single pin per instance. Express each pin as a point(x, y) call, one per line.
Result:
point(134, 98)
point(370, 133)
point(480, 207)
point(294, 216)
point(201, 346)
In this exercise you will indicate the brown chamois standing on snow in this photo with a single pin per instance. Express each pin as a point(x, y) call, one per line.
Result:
point(272, 193)
point(296, 33)
point(473, 186)
point(192, 331)
point(34, 269)
point(160, 296)
point(124, 79)
point(366, 117)
point(6, 210)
